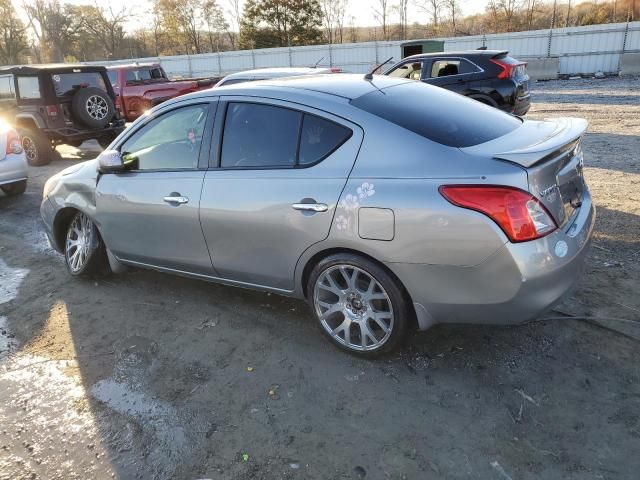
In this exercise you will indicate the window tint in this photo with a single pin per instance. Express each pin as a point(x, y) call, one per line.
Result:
point(260, 136)
point(69, 83)
point(29, 87)
point(113, 76)
point(319, 138)
point(444, 68)
point(412, 70)
point(6, 87)
point(437, 114)
point(171, 141)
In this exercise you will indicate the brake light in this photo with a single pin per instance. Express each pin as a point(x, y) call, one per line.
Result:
point(508, 69)
point(14, 145)
point(518, 213)
point(335, 70)
point(52, 110)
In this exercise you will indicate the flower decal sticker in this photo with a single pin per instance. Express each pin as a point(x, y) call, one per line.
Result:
point(366, 190)
point(351, 203)
point(342, 222)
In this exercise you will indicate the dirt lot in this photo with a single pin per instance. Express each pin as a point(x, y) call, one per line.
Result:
point(145, 375)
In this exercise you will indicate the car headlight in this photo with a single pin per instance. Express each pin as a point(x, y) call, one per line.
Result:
point(49, 185)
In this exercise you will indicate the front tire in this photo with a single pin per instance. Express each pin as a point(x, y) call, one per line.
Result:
point(37, 147)
point(359, 306)
point(84, 252)
point(15, 188)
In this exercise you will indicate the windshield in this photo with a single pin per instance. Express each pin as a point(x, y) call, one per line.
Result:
point(67, 83)
point(437, 114)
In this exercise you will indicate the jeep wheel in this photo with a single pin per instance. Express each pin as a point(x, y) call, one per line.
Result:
point(37, 147)
point(93, 107)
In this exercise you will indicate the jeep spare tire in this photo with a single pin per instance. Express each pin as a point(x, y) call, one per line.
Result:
point(92, 107)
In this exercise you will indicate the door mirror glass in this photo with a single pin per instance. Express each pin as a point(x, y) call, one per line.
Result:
point(110, 161)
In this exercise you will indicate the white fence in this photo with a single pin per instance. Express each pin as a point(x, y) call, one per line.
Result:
point(587, 49)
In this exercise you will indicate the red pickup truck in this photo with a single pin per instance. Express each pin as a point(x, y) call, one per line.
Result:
point(139, 87)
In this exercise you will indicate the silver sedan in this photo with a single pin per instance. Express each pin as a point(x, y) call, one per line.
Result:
point(387, 204)
point(13, 163)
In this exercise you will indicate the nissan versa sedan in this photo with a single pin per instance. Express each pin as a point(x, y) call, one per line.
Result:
point(387, 204)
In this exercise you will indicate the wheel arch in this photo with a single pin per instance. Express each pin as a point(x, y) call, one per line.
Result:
point(483, 98)
point(318, 256)
point(29, 120)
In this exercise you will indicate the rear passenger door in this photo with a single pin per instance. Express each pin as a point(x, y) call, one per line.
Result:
point(277, 171)
point(455, 74)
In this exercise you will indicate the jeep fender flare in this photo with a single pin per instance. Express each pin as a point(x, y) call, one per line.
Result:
point(28, 119)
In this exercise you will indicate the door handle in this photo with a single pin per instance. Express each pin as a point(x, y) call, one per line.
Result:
point(311, 207)
point(176, 199)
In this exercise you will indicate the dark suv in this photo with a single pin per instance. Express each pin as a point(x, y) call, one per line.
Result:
point(489, 76)
point(58, 104)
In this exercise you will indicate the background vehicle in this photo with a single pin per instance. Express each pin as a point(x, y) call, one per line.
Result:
point(489, 76)
point(268, 73)
point(58, 104)
point(141, 87)
point(386, 203)
point(13, 163)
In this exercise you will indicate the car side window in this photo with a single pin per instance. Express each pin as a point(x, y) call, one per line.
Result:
point(257, 135)
point(410, 70)
point(170, 142)
point(28, 87)
point(6, 87)
point(319, 138)
point(444, 68)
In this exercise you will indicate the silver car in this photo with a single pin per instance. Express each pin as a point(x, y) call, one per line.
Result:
point(14, 169)
point(387, 204)
point(271, 73)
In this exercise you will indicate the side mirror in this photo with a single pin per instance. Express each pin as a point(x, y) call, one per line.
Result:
point(110, 161)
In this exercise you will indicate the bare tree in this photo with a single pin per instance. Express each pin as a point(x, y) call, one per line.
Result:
point(235, 13)
point(12, 34)
point(50, 26)
point(106, 25)
point(401, 7)
point(215, 22)
point(433, 8)
point(333, 14)
point(453, 9)
point(381, 13)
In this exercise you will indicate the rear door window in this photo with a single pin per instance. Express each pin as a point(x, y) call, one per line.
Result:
point(6, 87)
point(28, 87)
point(447, 67)
point(260, 136)
point(66, 84)
point(319, 138)
point(437, 114)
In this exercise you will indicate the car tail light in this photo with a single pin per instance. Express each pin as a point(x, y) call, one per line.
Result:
point(14, 145)
point(508, 69)
point(518, 213)
point(52, 110)
point(335, 70)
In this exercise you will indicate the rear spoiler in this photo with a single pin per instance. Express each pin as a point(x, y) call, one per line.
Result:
point(534, 141)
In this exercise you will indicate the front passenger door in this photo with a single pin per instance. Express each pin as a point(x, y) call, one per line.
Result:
point(149, 214)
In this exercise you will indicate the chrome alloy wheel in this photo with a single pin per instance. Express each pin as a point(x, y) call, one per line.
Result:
point(78, 244)
point(353, 307)
point(30, 149)
point(97, 107)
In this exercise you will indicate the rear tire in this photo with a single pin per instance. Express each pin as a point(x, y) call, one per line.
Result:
point(16, 188)
point(359, 306)
point(84, 251)
point(37, 147)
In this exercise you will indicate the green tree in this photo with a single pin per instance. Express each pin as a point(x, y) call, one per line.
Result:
point(12, 34)
point(280, 23)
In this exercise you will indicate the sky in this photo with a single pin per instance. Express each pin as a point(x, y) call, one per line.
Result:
point(361, 10)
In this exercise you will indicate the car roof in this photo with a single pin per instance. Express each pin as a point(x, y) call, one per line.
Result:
point(59, 67)
point(133, 65)
point(461, 53)
point(345, 85)
point(277, 72)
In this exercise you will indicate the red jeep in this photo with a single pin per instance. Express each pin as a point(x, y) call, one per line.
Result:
point(139, 87)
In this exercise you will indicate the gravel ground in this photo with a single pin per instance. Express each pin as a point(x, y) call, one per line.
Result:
point(145, 375)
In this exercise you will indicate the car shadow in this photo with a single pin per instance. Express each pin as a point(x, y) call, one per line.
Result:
point(158, 376)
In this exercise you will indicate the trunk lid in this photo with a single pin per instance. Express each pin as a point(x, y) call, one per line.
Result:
point(551, 154)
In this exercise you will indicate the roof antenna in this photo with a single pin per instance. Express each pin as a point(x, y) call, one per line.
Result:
point(318, 62)
point(369, 76)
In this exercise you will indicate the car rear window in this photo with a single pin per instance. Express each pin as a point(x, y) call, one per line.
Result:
point(68, 83)
point(437, 114)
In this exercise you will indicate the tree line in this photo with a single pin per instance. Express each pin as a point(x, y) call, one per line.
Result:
point(54, 31)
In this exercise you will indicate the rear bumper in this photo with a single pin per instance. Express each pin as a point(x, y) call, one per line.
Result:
point(13, 168)
point(520, 282)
